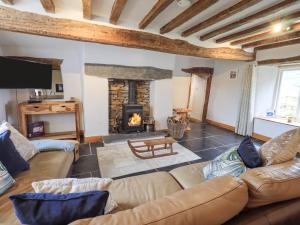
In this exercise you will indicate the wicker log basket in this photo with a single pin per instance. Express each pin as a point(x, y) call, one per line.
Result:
point(176, 127)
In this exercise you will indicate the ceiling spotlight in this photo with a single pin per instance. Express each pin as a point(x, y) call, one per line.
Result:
point(277, 28)
point(183, 3)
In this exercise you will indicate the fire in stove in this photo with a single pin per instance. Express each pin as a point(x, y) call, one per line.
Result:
point(135, 120)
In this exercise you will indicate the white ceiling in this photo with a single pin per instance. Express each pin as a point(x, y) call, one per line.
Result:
point(135, 10)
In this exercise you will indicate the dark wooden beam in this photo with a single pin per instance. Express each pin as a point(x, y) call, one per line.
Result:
point(267, 34)
point(263, 13)
point(32, 23)
point(200, 71)
point(252, 38)
point(261, 27)
point(272, 40)
point(56, 63)
point(240, 6)
point(277, 45)
point(9, 2)
point(206, 101)
point(116, 10)
point(48, 5)
point(87, 9)
point(159, 6)
point(187, 14)
point(293, 59)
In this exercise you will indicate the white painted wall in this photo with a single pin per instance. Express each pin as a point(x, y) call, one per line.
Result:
point(269, 128)
point(161, 102)
point(225, 94)
point(71, 72)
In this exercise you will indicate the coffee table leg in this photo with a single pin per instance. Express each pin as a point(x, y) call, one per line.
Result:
point(152, 149)
point(171, 147)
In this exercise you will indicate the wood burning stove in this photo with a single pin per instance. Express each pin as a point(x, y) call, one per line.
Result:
point(132, 113)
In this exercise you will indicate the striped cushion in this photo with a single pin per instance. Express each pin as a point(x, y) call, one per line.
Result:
point(6, 180)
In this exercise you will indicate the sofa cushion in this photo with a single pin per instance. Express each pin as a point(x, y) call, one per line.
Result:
point(10, 157)
point(249, 154)
point(189, 176)
point(210, 203)
point(133, 191)
point(273, 183)
point(46, 165)
point(282, 148)
point(6, 180)
point(58, 209)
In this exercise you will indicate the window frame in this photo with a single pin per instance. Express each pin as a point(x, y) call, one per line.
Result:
point(281, 70)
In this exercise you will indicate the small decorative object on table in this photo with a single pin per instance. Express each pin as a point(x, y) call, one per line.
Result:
point(36, 129)
point(176, 126)
point(148, 146)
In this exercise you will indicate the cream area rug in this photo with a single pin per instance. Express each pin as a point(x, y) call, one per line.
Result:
point(117, 160)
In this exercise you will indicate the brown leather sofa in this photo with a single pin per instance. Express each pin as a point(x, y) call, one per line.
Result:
point(45, 165)
point(262, 196)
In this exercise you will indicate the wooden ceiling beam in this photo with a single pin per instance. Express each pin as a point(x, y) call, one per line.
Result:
point(277, 45)
point(272, 40)
point(116, 11)
point(240, 6)
point(293, 59)
point(187, 14)
point(261, 27)
point(9, 2)
point(48, 5)
point(32, 23)
point(87, 9)
point(159, 6)
point(263, 13)
point(267, 34)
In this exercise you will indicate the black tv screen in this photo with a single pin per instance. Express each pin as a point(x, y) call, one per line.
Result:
point(19, 74)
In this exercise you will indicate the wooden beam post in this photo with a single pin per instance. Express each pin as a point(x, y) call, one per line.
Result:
point(159, 6)
point(263, 13)
point(277, 45)
point(48, 5)
point(87, 9)
point(32, 23)
point(240, 6)
point(116, 10)
point(187, 14)
point(207, 94)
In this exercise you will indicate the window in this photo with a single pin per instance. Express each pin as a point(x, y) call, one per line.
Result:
point(287, 103)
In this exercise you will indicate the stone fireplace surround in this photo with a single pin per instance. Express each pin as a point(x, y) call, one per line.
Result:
point(118, 77)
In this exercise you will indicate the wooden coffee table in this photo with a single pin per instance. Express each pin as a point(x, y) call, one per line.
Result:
point(152, 146)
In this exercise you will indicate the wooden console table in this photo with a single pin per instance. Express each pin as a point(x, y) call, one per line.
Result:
point(26, 111)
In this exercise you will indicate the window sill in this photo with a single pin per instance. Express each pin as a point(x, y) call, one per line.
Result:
point(278, 120)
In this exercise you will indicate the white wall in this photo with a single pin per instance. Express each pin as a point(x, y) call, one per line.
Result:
point(269, 128)
point(225, 94)
point(71, 72)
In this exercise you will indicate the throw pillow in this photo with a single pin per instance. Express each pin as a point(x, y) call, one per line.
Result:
point(6, 181)
point(228, 163)
point(10, 157)
point(48, 144)
point(22, 144)
point(73, 185)
point(249, 154)
point(44, 208)
point(281, 149)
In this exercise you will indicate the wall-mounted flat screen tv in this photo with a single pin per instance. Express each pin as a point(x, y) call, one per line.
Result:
point(20, 74)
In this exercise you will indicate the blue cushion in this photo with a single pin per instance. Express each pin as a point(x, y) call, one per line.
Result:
point(249, 154)
point(54, 209)
point(9, 156)
point(6, 181)
point(47, 144)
